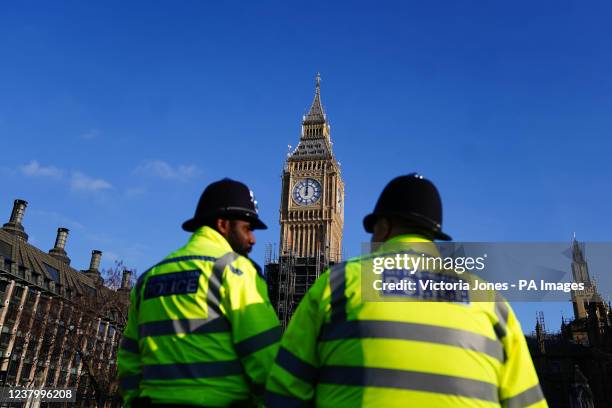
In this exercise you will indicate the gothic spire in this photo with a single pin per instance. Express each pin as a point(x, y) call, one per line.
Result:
point(577, 251)
point(316, 114)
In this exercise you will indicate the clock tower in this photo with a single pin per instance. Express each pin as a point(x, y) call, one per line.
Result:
point(311, 214)
point(312, 201)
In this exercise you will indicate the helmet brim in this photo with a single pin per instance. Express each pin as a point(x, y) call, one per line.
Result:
point(370, 220)
point(191, 225)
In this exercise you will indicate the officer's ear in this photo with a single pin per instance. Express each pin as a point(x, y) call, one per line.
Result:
point(223, 226)
point(382, 230)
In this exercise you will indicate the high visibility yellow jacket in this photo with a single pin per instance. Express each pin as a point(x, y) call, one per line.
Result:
point(339, 351)
point(201, 329)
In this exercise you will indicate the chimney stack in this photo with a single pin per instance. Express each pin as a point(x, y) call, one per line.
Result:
point(18, 211)
point(58, 251)
point(94, 268)
point(14, 226)
point(94, 265)
point(125, 281)
point(62, 236)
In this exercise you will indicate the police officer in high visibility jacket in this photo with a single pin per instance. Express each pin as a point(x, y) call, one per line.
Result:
point(340, 350)
point(201, 330)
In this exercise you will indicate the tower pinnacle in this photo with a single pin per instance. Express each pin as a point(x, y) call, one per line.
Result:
point(316, 114)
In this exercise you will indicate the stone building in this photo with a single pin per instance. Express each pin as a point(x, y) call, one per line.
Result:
point(311, 213)
point(59, 326)
point(575, 364)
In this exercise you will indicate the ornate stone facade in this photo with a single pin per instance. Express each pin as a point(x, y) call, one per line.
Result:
point(59, 326)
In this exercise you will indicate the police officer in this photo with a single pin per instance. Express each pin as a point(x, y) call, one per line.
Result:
point(201, 330)
point(340, 350)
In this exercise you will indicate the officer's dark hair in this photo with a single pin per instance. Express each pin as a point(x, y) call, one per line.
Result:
point(211, 222)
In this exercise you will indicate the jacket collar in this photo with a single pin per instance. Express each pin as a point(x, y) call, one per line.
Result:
point(407, 238)
point(410, 242)
point(207, 235)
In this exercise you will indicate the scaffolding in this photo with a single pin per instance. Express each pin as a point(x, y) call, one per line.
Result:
point(289, 278)
point(541, 321)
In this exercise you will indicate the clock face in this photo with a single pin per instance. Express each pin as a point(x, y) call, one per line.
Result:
point(307, 192)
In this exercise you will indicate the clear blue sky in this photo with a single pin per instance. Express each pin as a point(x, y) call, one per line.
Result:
point(115, 115)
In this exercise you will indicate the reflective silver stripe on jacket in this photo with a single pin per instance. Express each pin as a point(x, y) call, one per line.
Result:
point(525, 398)
point(501, 311)
point(274, 399)
point(257, 342)
point(383, 329)
point(296, 366)
point(408, 380)
point(213, 296)
point(337, 285)
point(191, 370)
point(184, 326)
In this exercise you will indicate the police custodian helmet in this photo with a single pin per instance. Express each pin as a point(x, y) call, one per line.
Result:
point(412, 198)
point(225, 198)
